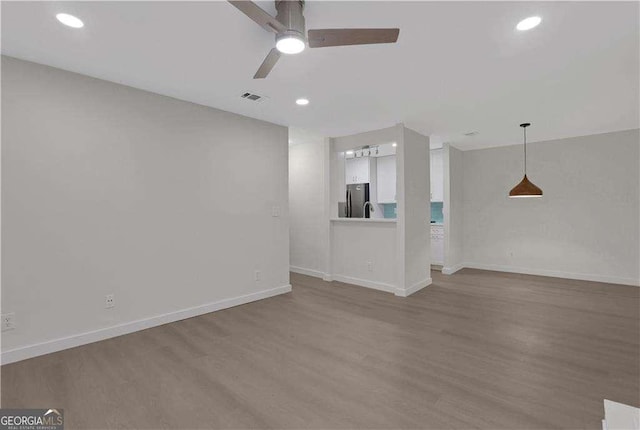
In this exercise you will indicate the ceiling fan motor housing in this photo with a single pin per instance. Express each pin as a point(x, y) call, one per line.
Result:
point(292, 37)
point(290, 15)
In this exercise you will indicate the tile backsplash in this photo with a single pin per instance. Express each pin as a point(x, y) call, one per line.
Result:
point(389, 210)
point(436, 212)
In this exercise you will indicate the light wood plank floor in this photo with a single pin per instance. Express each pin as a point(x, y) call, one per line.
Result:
point(474, 350)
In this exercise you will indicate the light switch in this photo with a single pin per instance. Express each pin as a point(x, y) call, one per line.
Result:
point(275, 211)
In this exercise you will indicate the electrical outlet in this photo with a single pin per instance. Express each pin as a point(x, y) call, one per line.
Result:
point(369, 266)
point(8, 321)
point(109, 301)
point(257, 275)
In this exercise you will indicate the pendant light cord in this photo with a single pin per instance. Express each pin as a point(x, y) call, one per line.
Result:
point(525, 150)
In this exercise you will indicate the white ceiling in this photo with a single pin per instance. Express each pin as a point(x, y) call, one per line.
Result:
point(457, 67)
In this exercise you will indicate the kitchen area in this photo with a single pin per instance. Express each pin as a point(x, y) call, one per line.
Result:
point(363, 217)
point(369, 182)
point(369, 190)
point(374, 229)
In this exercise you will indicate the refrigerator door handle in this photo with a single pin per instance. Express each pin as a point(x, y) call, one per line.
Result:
point(350, 204)
point(346, 204)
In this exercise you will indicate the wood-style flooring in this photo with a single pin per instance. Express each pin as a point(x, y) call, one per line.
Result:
point(476, 349)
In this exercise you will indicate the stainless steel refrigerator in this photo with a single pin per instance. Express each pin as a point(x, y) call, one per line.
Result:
point(357, 195)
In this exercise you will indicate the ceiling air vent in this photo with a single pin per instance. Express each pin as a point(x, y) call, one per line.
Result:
point(253, 97)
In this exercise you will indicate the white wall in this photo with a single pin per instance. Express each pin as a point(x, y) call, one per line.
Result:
point(307, 206)
point(584, 227)
point(354, 244)
point(110, 190)
point(413, 211)
point(453, 210)
point(375, 137)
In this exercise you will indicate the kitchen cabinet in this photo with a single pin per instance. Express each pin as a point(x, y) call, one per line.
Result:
point(437, 244)
point(357, 170)
point(386, 179)
point(437, 175)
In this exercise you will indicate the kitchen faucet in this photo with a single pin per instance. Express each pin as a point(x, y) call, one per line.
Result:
point(364, 208)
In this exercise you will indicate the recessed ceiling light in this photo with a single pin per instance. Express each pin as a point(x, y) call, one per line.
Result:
point(290, 44)
point(302, 102)
point(529, 23)
point(70, 20)
point(394, 144)
point(349, 152)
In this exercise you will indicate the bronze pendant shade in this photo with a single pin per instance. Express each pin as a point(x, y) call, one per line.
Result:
point(525, 188)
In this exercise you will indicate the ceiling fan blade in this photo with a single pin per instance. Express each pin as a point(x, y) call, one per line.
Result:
point(351, 36)
point(272, 58)
point(257, 14)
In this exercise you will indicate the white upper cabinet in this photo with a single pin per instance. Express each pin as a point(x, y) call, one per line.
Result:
point(357, 170)
point(437, 175)
point(386, 177)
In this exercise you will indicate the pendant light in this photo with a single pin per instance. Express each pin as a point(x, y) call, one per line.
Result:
point(525, 188)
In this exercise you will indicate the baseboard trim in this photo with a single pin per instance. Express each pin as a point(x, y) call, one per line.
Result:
point(402, 292)
point(364, 283)
point(308, 272)
point(555, 274)
point(30, 351)
point(452, 269)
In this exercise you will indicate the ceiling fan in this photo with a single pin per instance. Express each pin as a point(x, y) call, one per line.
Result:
point(288, 26)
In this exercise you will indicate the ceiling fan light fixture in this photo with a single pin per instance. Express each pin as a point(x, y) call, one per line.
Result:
point(290, 43)
point(290, 32)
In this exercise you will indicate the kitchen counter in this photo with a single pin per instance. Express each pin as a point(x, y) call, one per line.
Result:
point(366, 220)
